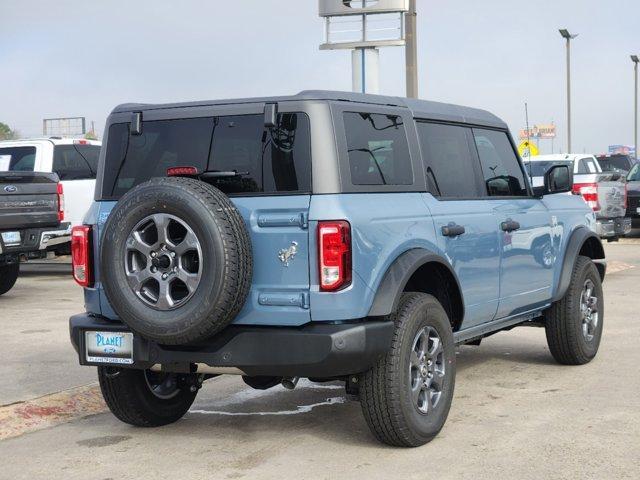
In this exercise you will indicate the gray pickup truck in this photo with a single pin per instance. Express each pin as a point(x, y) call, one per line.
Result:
point(604, 192)
point(31, 212)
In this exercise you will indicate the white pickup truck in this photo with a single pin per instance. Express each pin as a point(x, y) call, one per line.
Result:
point(74, 160)
point(604, 192)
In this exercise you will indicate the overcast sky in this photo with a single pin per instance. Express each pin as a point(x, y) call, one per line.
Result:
point(81, 58)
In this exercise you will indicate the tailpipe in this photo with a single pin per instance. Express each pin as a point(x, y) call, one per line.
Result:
point(290, 382)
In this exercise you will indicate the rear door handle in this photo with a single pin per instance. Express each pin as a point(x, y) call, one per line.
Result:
point(452, 230)
point(509, 225)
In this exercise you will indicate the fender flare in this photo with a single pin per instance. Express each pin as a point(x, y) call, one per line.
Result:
point(397, 276)
point(578, 238)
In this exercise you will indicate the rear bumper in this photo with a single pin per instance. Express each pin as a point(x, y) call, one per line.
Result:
point(33, 241)
point(613, 227)
point(314, 350)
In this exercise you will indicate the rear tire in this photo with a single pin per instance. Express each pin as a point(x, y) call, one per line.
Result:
point(574, 324)
point(407, 394)
point(8, 276)
point(143, 398)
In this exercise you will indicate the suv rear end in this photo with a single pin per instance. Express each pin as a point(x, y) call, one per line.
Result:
point(260, 155)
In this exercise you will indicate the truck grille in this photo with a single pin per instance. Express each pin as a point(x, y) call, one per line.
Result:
point(632, 206)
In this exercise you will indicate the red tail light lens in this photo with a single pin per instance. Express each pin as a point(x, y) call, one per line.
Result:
point(589, 192)
point(60, 202)
point(81, 255)
point(334, 253)
point(181, 171)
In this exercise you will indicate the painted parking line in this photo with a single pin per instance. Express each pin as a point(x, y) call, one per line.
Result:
point(54, 409)
point(615, 266)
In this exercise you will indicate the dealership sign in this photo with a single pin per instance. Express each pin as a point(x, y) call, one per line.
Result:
point(623, 149)
point(538, 131)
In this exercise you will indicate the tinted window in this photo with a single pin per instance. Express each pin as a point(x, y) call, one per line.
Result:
point(540, 167)
point(614, 163)
point(241, 155)
point(17, 159)
point(378, 150)
point(634, 174)
point(500, 166)
point(449, 163)
point(75, 162)
point(269, 160)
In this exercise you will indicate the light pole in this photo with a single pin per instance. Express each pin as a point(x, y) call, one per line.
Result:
point(411, 50)
point(635, 60)
point(566, 35)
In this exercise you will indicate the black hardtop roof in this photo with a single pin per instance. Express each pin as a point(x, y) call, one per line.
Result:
point(420, 108)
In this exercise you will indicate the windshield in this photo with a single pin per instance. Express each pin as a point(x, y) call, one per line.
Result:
point(634, 174)
point(17, 159)
point(539, 168)
point(614, 164)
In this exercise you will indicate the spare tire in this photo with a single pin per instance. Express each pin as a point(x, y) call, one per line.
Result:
point(176, 260)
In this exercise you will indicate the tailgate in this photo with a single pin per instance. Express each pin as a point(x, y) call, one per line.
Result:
point(28, 200)
point(612, 199)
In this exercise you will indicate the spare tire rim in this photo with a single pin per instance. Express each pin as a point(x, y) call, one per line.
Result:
point(163, 261)
point(589, 310)
point(426, 369)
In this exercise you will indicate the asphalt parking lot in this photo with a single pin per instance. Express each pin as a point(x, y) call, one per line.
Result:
point(516, 414)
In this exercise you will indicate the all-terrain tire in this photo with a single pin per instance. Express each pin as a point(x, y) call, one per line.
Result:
point(8, 276)
point(386, 389)
point(226, 264)
point(129, 397)
point(564, 319)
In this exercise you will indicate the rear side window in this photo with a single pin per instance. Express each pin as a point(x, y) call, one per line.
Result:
point(449, 163)
point(17, 159)
point(240, 154)
point(500, 166)
point(587, 165)
point(377, 149)
point(75, 162)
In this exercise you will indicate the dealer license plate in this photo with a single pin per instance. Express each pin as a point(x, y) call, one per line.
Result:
point(11, 238)
point(109, 347)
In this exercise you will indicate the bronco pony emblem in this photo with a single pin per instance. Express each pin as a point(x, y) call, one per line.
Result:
point(286, 254)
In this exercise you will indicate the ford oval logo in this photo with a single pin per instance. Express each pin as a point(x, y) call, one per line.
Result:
point(10, 189)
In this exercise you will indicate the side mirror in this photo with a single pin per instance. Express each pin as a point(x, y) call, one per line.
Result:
point(558, 179)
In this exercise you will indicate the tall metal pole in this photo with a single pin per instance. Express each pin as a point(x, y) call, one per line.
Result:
point(635, 60)
point(411, 49)
point(569, 95)
point(566, 35)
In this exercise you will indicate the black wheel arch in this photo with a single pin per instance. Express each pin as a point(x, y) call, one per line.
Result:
point(416, 270)
point(583, 242)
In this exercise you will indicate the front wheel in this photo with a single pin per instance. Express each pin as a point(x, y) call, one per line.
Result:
point(406, 396)
point(574, 323)
point(144, 398)
point(8, 276)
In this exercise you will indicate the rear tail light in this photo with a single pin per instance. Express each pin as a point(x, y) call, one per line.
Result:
point(626, 192)
point(60, 202)
point(334, 254)
point(589, 192)
point(181, 171)
point(81, 255)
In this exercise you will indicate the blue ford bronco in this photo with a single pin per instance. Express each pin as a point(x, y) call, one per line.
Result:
point(327, 235)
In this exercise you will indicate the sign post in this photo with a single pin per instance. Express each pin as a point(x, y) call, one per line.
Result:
point(363, 26)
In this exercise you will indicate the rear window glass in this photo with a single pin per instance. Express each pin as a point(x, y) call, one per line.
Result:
point(75, 162)
point(539, 167)
point(240, 155)
point(614, 164)
point(17, 159)
point(378, 150)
